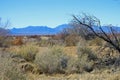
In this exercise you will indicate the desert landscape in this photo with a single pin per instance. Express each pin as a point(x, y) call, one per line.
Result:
point(51, 58)
point(59, 40)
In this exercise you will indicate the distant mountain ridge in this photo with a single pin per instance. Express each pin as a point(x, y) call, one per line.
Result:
point(38, 30)
point(45, 30)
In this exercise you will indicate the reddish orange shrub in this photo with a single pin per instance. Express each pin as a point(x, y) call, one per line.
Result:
point(18, 41)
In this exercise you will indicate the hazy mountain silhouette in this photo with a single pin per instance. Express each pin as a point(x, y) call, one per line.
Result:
point(45, 30)
point(38, 30)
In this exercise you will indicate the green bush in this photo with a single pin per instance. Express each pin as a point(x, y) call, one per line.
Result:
point(84, 52)
point(73, 66)
point(86, 58)
point(28, 52)
point(5, 41)
point(9, 70)
point(53, 60)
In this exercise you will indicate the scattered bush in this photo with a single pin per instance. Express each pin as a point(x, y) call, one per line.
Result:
point(86, 53)
point(53, 60)
point(5, 41)
point(106, 61)
point(86, 58)
point(44, 43)
point(96, 41)
point(73, 66)
point(3, 32)
point(49, 42)
point(9, 70)
point(83, 50)
point(27, 52)
point(72, 40)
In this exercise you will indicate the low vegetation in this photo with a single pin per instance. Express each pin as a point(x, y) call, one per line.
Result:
point(30, 60)
point(27, 52)
point(52, 60)
point(8, 69)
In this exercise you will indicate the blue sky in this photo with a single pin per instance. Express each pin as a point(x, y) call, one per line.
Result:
point(52, 13)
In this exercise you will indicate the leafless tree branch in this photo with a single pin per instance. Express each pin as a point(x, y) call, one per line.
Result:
point(91, 22)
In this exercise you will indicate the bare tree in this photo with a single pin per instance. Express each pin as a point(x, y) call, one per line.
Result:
point(80, 30)
point(3, 26)
point(3, 31)
point(91, 25)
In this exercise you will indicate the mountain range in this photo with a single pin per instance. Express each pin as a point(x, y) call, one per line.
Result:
point(38, 30)
point(45, 30)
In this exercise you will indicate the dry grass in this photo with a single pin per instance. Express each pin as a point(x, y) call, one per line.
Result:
point(71, 51)
point(84, 76)
point(8, 69)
